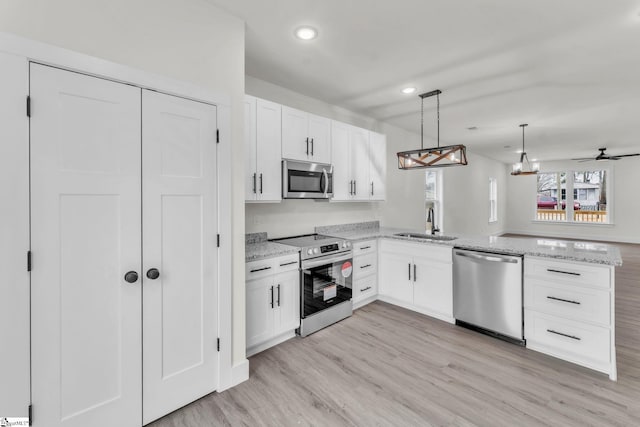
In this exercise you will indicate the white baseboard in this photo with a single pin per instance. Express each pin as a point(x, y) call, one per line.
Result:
point(239, 373)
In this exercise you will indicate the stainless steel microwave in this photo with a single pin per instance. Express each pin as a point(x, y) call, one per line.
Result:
point(306, 180)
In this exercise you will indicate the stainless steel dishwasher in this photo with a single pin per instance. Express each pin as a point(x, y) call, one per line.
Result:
point(487, 293)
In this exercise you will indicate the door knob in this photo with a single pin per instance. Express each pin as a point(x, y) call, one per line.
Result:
point(131, 277)
point(153, 273)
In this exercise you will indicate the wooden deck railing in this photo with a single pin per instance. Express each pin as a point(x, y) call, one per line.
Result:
point(578, 216)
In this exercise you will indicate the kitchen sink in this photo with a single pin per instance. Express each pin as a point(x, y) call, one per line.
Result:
point(425, 236)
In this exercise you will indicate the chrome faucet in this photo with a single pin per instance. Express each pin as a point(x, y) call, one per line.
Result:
point(431, 218)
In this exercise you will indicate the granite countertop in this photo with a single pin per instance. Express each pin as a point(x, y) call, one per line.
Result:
point(582, 251)
point(257, 247)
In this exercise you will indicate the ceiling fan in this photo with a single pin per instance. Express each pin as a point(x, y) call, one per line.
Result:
point(604, 156)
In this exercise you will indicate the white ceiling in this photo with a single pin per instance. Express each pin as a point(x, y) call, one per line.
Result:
point(570, 68)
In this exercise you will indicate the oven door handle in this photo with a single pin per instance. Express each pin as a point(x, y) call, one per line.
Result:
point(316, 263)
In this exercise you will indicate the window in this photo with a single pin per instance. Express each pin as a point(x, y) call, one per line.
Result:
point(573, 196)
point(433, 200)
point(493, 200)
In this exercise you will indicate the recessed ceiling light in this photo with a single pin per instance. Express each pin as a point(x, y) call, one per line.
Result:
point(408, 90)
point(306, 33)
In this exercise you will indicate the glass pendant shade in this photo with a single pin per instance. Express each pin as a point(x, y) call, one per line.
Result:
point(524, 167)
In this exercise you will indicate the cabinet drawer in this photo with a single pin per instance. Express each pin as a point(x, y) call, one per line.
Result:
point(432, 251)
point(573, 302)
point(568, 272)
point(364, 288)
point(269, 266)
point(366, 247)
point(574, 341)
point(365, 264)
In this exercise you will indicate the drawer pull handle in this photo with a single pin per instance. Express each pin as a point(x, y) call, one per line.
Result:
point(365, 247)
point(272, 297)
point(365, 289)
point(260, 269)
point(564, 335)
point(564, 300)
point(563, 272)
point(365, 266)
point(288, 263)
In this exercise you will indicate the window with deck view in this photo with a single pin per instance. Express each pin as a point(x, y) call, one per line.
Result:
point(574, 196)
point(433, 199)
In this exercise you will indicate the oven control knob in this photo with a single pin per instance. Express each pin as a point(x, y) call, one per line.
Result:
point(310, 251)
point(316, 250)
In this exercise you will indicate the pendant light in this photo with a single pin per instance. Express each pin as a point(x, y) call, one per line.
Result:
point(436, 157)
point(523, 167)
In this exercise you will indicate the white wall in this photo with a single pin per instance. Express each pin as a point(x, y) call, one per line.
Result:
point(624, 205)
point(188, 40)
point(466, 196)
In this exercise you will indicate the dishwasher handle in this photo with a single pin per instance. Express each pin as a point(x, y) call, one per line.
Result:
point(492, 257)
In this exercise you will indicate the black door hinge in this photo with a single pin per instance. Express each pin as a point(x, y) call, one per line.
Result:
point(30, 415)
point(218, 344)
point(218, 238)
point(28, 106)
point(217, 136)
point(28, 260)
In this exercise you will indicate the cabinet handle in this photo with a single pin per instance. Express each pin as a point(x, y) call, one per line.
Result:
point(153, 273)
point(307, 140)
point(278, 295)
point(311, 146)
point(272, 297)
point(365, 247)
point(351, 188)
point(355, 188)
point(365, 266)
point(260, 183)
point(254, 183)
point(372, 188)
point(414, 273)
point(573, 337)
point(409, 271)
point(564, 300)
point(288, 263)
point(365, 289)
point(563, 272)
point(131, 277)
point(260, 269)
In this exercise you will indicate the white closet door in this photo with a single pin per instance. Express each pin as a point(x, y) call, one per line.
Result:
point(179, 240)
point(14, 240)
point(85, 231)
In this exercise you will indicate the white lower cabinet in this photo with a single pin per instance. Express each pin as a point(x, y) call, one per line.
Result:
point(365, 272)
point(569, 312)
point(273, 302)
point(417, 276)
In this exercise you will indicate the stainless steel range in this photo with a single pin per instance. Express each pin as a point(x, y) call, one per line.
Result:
point(326, 272)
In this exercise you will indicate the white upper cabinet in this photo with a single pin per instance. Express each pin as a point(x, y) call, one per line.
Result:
point(340, 159)
point(305, 136)
point(377, 166)
point(358, 158)
point(263, 139)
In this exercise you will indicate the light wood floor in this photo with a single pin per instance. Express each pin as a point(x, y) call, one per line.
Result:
point(386, 366)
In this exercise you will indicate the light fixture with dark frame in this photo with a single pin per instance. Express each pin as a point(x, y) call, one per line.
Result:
point(435, 157)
